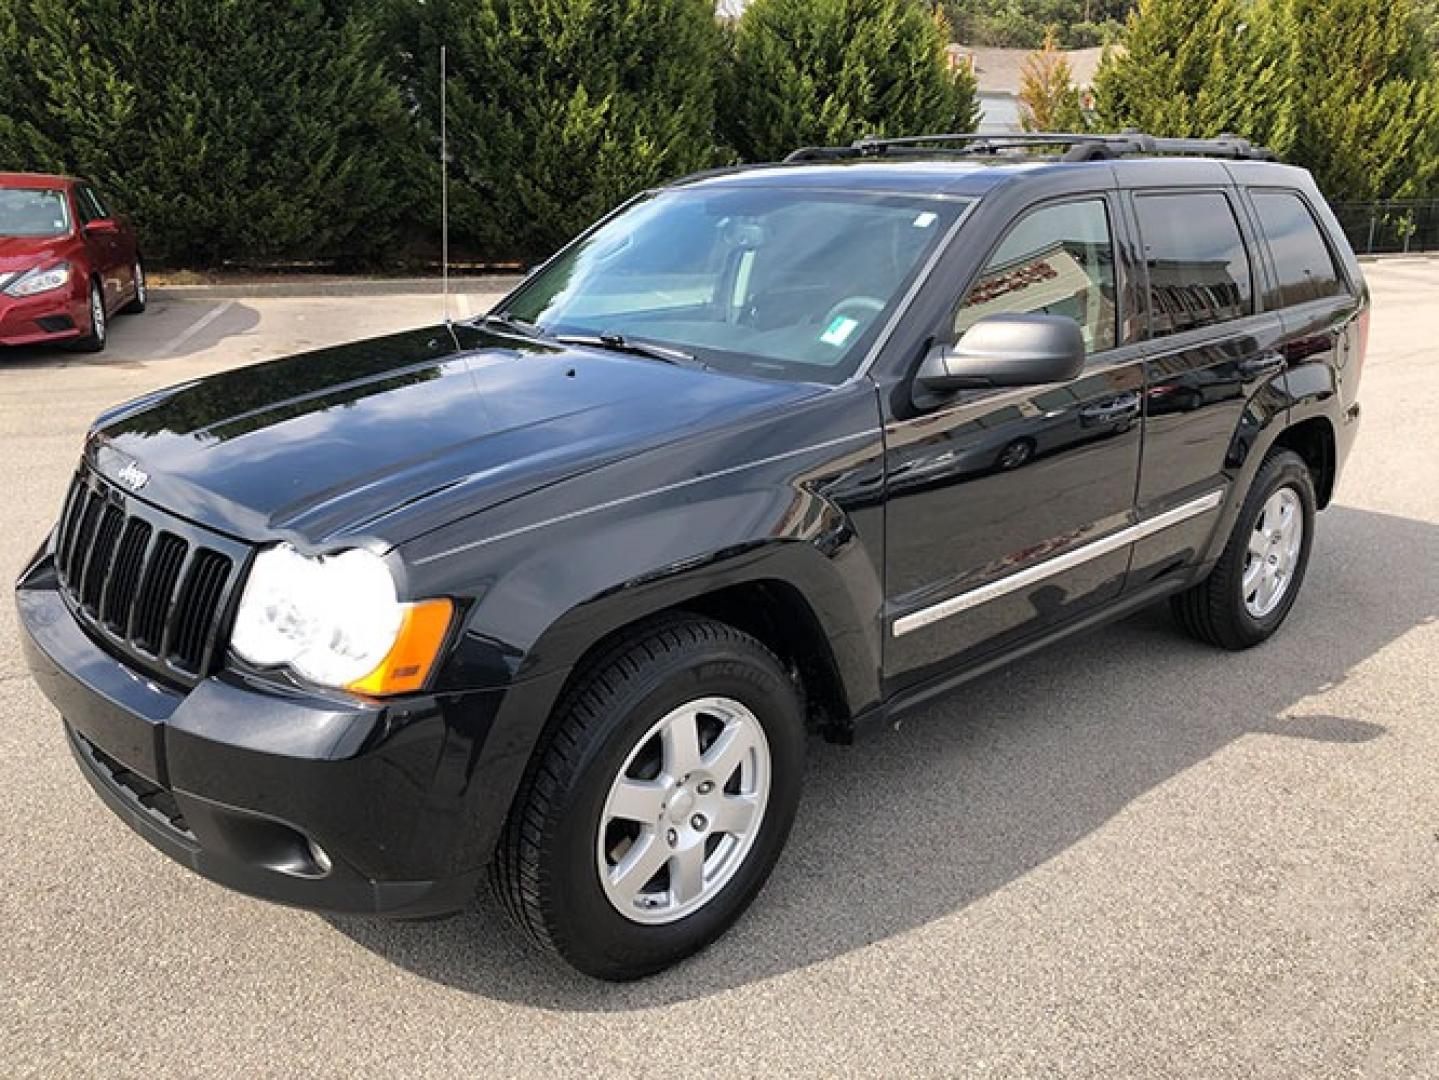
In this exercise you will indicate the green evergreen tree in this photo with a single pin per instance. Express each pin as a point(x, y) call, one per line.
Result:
point(1368, 128)
point(230, 129)
point(1173, 51)
point(827, 72)
point(559, 109)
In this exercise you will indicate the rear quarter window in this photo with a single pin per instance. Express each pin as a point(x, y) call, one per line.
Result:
point(1199, 271)
point(1303, 262)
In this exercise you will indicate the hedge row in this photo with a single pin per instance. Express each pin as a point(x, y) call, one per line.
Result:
point(276, 130)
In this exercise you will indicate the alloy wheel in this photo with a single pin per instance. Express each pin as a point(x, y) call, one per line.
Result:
point(1273, 552)
point(684, 811)
point(97, 313)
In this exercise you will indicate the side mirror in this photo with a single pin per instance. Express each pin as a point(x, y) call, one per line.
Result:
point(102, 227)
point(1007, 350)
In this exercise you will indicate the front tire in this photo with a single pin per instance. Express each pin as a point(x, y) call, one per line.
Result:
point(659, 804)
point(1254, 584)
point(95, 340)
point(1016, 454)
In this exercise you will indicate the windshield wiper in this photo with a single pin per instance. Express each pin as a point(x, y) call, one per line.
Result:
point(505, 321)
point(620, 343)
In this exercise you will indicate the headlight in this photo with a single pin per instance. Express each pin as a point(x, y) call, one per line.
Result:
point(38, 281)
point(337, 621)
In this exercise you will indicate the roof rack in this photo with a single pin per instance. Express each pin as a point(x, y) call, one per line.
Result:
point(1080, 147)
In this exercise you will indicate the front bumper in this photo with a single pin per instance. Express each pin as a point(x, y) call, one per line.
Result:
point(53, 316)
point(333, 804)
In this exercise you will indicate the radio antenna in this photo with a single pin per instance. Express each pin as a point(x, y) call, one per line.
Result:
point(444, 197)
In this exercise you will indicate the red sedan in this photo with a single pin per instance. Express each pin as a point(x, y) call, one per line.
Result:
point(66, 263)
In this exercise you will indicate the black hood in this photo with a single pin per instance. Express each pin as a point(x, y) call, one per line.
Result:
point(388, 438)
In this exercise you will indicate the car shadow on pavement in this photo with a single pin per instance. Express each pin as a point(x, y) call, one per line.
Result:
point(979, 788)
point(167, 330)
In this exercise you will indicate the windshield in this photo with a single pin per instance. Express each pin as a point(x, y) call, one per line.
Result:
point(777, 282)
point(32, 212)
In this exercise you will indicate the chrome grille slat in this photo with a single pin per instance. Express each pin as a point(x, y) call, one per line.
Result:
point(151, 587)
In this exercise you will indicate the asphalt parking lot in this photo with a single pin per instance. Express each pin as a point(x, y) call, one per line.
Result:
point(1129, 856)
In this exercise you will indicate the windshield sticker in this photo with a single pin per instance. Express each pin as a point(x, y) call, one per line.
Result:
point(925, 220)
point(839, 330)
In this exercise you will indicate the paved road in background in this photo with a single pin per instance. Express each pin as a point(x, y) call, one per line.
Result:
point(1128, 856)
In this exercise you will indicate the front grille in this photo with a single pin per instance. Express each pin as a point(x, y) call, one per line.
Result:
point(154, 588)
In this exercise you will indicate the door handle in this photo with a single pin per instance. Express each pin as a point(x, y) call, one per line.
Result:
point(1259, 366)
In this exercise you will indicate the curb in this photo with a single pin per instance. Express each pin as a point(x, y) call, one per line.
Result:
point(489, 285)
point(1400, 256)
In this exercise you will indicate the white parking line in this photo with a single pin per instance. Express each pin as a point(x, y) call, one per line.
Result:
point(198, 325)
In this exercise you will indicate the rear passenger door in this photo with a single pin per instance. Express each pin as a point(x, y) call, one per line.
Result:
point(1214, 366)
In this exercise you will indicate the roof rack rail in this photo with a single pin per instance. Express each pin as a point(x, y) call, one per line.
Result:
point(1080, 146)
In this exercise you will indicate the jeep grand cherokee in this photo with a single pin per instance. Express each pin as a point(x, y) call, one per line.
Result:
point(555, 594)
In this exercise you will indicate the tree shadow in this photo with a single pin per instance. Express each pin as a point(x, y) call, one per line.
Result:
point(979, 788)
point(166, 330)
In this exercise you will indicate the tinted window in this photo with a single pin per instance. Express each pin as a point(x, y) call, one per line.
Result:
point(84, 207)
point(1198, 268)
point(95, 203)
point(1058, 260)
point(1301, 258)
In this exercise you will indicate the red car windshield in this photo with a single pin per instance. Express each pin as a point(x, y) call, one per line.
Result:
point(33, 212)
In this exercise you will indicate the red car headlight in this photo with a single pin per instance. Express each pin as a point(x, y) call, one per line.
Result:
point(40, 280)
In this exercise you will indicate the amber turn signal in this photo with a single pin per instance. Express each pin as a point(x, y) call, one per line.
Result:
point(417, 646)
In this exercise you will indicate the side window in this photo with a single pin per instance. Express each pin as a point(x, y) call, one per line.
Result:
point(83, 207)
point(1199, 272)
point(1057, 260)
point(1302, 259)
point(97, 208)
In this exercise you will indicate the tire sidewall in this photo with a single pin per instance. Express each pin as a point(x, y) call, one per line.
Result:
point(142, 288)
point(607, 942)
point(1284, 470)
point(99, 329)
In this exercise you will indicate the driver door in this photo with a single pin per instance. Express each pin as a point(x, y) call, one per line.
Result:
point(999, 501)
point(100, 244)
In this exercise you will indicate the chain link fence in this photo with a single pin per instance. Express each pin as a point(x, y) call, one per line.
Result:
point(1398, 225)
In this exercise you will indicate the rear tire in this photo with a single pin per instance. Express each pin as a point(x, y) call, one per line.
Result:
point(712, 830)
point(1254, 584)
point(142, 291)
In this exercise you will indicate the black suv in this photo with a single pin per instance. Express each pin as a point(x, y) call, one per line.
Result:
point(555, 594)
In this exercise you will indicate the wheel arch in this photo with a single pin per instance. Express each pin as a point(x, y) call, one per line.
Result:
point(788, 600)
point(781, 613)
point(1314, 441)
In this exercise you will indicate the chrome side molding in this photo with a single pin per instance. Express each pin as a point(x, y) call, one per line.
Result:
point(916, 620)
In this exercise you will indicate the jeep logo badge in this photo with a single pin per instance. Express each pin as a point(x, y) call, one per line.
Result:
point(133, 477)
